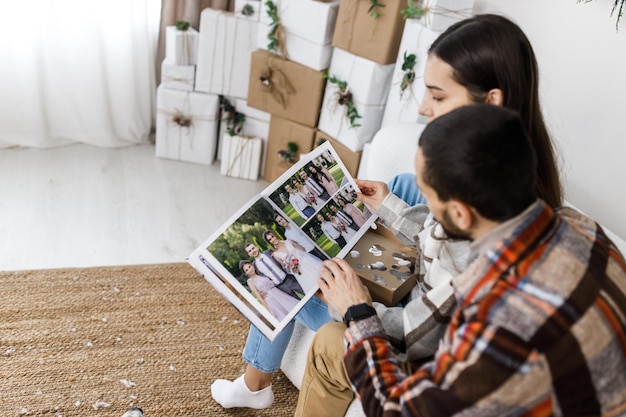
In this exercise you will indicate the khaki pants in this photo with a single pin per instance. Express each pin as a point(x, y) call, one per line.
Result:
point(325, 388)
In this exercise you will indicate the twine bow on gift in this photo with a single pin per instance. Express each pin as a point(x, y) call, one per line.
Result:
point(181, 120)
point(277, 35)
point(408, 75)
point(276, 83)
point(344, 98)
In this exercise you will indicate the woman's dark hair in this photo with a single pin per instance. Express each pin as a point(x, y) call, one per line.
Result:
point(488, 51)
point(242, 263)
point(489, 165)
point(267, 232)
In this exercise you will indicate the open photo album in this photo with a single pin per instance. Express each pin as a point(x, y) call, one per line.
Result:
point(266, 258)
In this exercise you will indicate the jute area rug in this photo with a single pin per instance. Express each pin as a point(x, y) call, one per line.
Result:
point(96, 341)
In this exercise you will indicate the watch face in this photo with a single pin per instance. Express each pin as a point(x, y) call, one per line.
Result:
point(359, 312)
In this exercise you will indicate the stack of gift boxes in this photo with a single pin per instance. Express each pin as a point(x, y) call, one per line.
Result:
point(294, 72)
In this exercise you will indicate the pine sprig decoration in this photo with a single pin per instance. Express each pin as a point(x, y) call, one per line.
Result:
point(182, 25)
point(344, 98)
point(247, 10)
point(289, 154)
point(272, 36)
point(234, 119)
point(408, 76)
point(374, 9)
point(414, 11)
point(618, 5)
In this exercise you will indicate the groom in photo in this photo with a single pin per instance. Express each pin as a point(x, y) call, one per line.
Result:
point(267, 266)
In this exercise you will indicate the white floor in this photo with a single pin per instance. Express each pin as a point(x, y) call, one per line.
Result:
point(80, 205)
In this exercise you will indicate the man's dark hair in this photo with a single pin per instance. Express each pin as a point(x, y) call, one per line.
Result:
point(480, 155)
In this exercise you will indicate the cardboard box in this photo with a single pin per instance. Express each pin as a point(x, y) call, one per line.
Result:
point(285, 88)
point(403, 105)
point(368, 83)
point(391, 284)
point(186, 125)
point(351, 159)
point(441, 14)
point(375, 39)
point(241, 157)
point(308, 26)
point(283, 131)
point(226, 43)
point(181, 47)
point(248, 9)
point(177, 77)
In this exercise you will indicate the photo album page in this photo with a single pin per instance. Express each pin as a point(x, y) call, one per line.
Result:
point(266, 258)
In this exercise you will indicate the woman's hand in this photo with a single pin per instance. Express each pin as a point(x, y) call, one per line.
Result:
point(341, 286)
point(372, 192)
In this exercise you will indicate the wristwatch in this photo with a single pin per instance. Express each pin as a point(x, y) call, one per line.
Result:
point(358, 312)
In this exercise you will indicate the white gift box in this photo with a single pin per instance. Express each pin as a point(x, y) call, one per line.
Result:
point(441, 14)
point(403, 105)
point(309, 26)
point(186, 126)
point(248, 9)
point(368, 83)
point(177, 77)
point(241, 156)
point(181, 46)
point(226, 43)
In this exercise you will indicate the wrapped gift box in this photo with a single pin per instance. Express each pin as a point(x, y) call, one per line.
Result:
point(248, 9)
point(369, 84)
point(241, 156)
point(308, 27)
point(177, 77)
point(441, 14)
point(283, 131)
point(402, 105)
point(391, 284)
point(351, 159)
point(226, 43)
point(375, 39)
point(181, 46)
point(186, 125)
point(285, 88)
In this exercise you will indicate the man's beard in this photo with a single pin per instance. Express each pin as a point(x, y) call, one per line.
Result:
point(452, 231)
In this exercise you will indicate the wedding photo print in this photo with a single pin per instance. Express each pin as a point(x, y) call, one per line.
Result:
point(266, 259)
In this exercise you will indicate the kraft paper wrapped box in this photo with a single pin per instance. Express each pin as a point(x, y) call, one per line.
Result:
point(248, 9)
point(368, 83)
point(226, 43)
point(241, 156)
point(181, 46)
point(186, 125)
point(405, 97)
point(283, 131)
point(308, 26)
point(177, 77)
point(441, 14)
point(376, 39)
point(350, 159)
point(285, 88)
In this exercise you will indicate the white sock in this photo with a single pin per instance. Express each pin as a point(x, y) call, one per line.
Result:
point(236, 394)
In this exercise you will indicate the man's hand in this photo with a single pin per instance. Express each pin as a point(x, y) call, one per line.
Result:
point(372, 192)
point(341, 286)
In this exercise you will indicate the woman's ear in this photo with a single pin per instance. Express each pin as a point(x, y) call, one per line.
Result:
point(495, 97)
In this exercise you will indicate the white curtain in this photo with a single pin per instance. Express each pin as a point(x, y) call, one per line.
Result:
point(77, 71)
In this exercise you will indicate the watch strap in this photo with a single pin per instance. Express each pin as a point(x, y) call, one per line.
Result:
point(358, 312)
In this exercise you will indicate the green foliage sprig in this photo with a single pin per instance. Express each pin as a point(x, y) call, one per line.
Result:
point(234, 119)
point(409, 71)
point(182, 25)
point(344, 98)
point(272, 36)
point(247, 10)
point(374, 9)
point(617, 5)
point(414, 11)
point(289, 154)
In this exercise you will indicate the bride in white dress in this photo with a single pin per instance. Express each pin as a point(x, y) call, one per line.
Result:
point(295, 260)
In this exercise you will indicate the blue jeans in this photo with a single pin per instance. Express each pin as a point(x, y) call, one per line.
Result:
point(405, 187)
point(266, 356)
